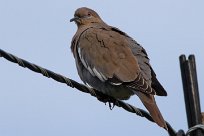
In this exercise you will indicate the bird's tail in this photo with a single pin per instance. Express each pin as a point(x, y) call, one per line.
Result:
point(150, 103)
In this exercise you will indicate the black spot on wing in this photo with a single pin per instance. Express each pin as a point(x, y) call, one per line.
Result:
point(160, 91)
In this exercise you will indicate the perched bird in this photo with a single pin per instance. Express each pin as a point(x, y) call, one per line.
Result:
point(110, 61)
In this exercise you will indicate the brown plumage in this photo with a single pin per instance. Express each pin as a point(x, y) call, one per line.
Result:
point(112, 62)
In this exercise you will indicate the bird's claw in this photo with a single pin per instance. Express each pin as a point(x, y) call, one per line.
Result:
point(111, 106)
point(111, 102)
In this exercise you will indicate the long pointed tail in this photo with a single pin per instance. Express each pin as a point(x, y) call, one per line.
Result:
point(150, 103)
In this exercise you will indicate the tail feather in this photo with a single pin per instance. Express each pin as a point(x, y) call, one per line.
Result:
point(150, 103)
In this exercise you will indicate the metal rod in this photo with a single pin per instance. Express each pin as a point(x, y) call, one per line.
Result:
point(185, 88)
point(195, 92)
point(191, 94)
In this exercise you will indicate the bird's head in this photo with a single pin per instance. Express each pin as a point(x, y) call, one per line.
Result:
point(85, 16)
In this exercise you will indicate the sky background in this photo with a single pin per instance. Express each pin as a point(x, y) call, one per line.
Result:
point(40, 32)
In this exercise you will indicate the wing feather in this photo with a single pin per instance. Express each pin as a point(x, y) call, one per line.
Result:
point(114, 57)
point(106, 55)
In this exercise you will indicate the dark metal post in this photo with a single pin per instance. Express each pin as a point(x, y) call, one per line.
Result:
point(191, 93)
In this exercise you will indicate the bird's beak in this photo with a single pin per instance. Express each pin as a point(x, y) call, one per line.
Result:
point(74, 19)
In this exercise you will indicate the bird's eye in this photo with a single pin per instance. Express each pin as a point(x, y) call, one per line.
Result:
point(89, 14)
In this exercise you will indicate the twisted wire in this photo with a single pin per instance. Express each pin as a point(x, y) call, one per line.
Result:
point(71, 83)
point(199, 126)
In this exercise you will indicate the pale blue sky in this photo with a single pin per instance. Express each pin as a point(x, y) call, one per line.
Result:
point(40, 32)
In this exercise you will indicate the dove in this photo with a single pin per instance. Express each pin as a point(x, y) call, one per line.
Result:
point(109, 60)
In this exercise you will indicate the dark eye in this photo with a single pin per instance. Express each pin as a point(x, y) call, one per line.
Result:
point(89, 14)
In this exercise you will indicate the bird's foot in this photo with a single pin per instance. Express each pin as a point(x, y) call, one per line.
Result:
point(111, 101)
point(111, 106)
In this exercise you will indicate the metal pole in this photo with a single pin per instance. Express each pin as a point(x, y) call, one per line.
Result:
point(191, 93)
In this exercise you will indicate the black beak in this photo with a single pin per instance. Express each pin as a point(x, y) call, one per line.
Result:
point(74, 19)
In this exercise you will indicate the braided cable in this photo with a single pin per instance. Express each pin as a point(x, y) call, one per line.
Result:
point(71, 83)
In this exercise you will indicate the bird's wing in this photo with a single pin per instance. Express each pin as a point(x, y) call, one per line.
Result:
point(145, 67)
point(106, 54)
